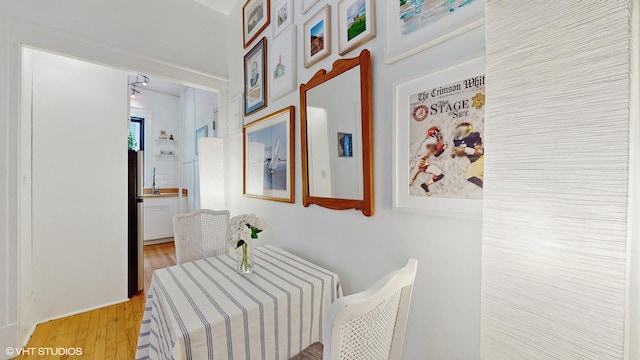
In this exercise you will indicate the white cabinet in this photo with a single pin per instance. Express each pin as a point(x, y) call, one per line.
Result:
point(158, 216)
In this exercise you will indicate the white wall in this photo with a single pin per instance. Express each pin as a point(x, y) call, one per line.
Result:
point(163, 113)
point(445, 318)
point(110, 33)
point(556, 247)
point(79, 221)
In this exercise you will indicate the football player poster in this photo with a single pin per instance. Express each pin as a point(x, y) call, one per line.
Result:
point(446, 133)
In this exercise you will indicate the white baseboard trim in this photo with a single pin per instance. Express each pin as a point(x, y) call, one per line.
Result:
point(57, 317)
point(25, 341)
point(8, 339)
point(158, 241)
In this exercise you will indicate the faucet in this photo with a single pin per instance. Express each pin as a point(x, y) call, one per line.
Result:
point(154, 189)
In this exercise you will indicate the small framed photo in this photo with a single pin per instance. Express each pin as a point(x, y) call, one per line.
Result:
point(256, 15)
point(283, 12)
point(235, 115)
point(308, 4)
point(282, 64)
point(356, 24)
point(317, 37)
point(269, 157)
point(345, 145)
point(438, 142)
point(200, 133)
point(255, 83)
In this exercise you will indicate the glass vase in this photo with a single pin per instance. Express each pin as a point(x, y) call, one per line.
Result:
point(245, 259)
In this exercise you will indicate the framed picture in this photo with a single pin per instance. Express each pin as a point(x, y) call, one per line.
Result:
point(235, 115)
point(308, 4)
point(415, 25)
point(256, 15)
point(255, 83)
point(317, 37)
point(282, 64)
point(283, 12)
point(438, 142)
point(200, 133)
point(345, 145)
point(269, 157)
point(356, 24)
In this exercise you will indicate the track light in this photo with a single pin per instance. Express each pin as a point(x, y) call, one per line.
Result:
point(140, 80)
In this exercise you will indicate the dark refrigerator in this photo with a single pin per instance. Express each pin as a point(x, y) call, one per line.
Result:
point(135, 206)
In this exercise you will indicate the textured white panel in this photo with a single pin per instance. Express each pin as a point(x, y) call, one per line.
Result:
point(555, 199)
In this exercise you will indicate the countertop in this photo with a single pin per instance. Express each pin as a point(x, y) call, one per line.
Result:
point(164, 193)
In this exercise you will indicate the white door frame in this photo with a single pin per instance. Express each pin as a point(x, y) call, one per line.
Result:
point(23, 34)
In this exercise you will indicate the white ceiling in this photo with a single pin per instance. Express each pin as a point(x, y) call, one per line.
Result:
point(223, 6)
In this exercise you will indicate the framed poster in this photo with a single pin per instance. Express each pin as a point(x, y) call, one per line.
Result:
point(200, 133)
point(256, 15)
point(308, 4)
point(282, 64)
point(356, 24)
point(269, 157)
point(317, 37)
point(438, 142)
point(235, 115)
point(283, 12)
point(255, 83)
point(415, 25)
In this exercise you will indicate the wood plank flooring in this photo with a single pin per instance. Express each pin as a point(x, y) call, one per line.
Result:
point(106, 333)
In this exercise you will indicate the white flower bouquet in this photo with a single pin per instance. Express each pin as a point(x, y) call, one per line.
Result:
point(242, 228)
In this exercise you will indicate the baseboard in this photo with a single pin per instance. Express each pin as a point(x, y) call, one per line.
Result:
point(158, 241)
point(8, 339)
point(57, 317)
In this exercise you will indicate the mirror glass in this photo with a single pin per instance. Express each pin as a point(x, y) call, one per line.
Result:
point(334, 138)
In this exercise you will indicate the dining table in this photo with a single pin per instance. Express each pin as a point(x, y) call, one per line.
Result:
point(206, 309)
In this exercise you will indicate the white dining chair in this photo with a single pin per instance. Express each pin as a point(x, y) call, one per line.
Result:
point(200, 234)
point(369, 325)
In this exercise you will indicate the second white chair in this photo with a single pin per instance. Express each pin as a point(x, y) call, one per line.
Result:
point(369, 325)
point(200, 234)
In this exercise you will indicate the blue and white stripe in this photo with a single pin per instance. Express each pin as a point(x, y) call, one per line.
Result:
point(206, 310)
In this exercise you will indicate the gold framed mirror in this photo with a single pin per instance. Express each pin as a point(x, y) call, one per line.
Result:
point(336, 133)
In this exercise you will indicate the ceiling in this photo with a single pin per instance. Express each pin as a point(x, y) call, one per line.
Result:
point(223, 6)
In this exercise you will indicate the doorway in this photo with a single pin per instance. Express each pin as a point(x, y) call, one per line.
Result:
point(72, 258)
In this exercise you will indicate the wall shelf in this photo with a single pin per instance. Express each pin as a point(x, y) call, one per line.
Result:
point(165, 157)
point(166, 142)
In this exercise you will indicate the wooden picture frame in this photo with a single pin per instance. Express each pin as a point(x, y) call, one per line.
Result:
point(361, 65)
point(268, 164)
point(255, 83)
point(317, 37)
point(418, 119)
point(356, 24)
point(256, 16)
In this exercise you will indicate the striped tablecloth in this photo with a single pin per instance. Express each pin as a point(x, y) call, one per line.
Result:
point(206, 310)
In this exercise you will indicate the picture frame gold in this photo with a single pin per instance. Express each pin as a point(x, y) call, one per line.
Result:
point(268, 164)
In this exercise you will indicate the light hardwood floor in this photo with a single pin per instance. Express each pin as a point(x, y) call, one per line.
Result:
point(106, 333)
